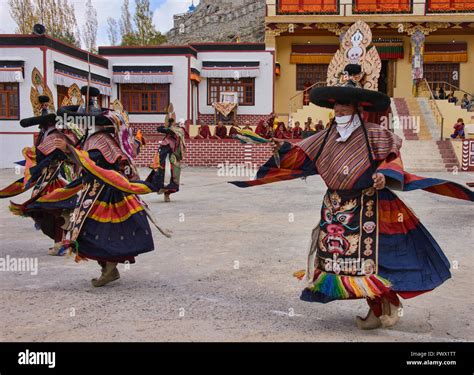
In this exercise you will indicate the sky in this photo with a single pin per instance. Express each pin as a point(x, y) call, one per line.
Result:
point(162, 16)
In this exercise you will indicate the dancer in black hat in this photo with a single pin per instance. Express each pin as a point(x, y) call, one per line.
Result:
point(110, 222)
point(368, 243)
point(46, 169)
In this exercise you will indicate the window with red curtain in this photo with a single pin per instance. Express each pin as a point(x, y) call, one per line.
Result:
point(307, 6)
point(381, 6)
point(437, 6)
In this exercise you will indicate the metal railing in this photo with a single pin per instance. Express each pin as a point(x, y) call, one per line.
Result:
point(449, 87)
point(424, 88)
point(297, 101)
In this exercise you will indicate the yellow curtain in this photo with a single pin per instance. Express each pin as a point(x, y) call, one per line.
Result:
point(297, 58)
point(456, 57)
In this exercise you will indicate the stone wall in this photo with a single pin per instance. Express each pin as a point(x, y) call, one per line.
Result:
point(220, 21)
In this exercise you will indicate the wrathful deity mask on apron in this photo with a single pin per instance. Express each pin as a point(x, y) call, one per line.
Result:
point(347, 243)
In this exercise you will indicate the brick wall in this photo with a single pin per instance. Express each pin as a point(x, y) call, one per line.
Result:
point(211, 152)
point(240, 119)
point(146, 128)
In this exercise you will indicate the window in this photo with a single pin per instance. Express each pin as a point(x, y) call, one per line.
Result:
point(440, 6)
point(145, 98)
point(307, 6)
point(382, 6)
point(244, 87)
point(9, 101)
point(310, 73)
point(435, 73)
point(62, 93)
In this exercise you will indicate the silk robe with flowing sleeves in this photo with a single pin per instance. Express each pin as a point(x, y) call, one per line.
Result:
point(396, 250)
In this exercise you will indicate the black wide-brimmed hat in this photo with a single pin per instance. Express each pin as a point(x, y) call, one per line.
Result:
point(96, 118)
point(45, 120)
point(350, 93)
point(93, 92)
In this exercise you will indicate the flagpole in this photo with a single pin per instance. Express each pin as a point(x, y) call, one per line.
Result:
point(88, 81)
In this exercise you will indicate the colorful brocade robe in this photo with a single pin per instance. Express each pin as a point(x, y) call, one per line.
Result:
point(367, 241)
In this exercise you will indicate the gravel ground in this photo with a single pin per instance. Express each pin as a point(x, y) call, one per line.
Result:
point(226, 275)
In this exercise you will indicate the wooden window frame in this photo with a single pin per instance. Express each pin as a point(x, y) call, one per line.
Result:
point(324, 68)
point(7, 102)
point(312, 7)
point(454, 6)
point(61, 93)
point(227, 87)
point(364, 7)
point(428, 73)
point(139, 92)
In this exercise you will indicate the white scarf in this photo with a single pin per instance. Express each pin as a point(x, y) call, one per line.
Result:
point(346, 127)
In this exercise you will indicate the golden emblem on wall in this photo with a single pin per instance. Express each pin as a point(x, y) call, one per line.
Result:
point(73, 97)
point(354, 49)
point(39, 87)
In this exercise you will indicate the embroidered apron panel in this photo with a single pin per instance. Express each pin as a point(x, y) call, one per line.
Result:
point(348, 238)
point(86, 201)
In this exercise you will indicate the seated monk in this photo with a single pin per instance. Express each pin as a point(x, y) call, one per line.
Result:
point(319, 126)
point(233, 130)
point(280, 131)
point(297, 132)
point(220, 132)
point(262, 129)
point(182, 125)
point(203, 132)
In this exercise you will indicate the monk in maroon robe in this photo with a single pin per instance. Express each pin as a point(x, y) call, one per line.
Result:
point(220, 132)
point(297, 132)
point(234, 130)
point(262, 129)
point(203, 132)
point(280, 131)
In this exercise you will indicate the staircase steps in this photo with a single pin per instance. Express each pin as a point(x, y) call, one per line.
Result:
point(422, 151)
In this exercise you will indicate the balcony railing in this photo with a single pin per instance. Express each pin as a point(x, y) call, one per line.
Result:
point(338, 7)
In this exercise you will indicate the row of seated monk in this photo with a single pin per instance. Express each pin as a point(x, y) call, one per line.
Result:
point(263, 129)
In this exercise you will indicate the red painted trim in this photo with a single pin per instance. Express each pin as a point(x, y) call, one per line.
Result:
point(189, 88)
point(197, 103)
point(147, 47)
point(47, 37)
point(236, 51)
point(227, 44)
point(18, 133)
point(45, 70)
point(152, 54)
point(142, 74)
point(60, 52)
point(273, 82)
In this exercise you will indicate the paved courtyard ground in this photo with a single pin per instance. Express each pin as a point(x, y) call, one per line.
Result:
point(226, 275)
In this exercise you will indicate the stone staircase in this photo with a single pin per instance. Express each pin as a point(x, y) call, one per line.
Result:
point(313, 111)
point(422, 149)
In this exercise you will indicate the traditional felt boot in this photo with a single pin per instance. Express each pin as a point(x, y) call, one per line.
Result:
point(102, 271)
point(109, 273)
point(167, 197)
point(369, 322)
point(390, 313)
